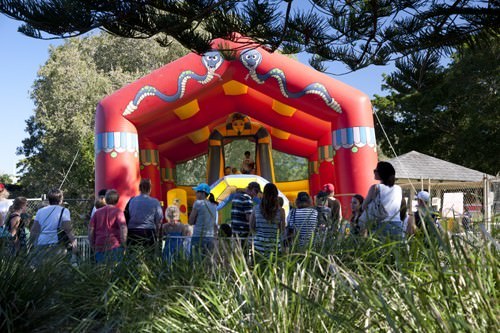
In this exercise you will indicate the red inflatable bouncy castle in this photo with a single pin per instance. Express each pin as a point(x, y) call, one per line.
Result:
point(168, 116)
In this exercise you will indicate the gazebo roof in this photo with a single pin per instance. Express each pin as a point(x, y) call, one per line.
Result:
point(415, 165)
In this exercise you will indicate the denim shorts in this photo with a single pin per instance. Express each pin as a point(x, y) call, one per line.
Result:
point(390, 229)
point(113, 255)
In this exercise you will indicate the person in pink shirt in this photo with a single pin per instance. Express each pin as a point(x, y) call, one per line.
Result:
point(108, 230)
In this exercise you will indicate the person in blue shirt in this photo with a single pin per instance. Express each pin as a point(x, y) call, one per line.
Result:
point(144, 215)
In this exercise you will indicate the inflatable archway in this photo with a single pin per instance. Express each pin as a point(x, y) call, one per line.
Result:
point(166, 117)
point(239, 126)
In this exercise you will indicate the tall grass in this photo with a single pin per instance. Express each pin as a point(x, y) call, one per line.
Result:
point(351, 285)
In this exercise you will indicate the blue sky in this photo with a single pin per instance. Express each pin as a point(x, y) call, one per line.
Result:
point(21, 57)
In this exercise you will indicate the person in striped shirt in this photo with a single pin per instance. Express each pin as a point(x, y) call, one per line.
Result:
point(303, 219)
point(241, 208)
point(267, 222)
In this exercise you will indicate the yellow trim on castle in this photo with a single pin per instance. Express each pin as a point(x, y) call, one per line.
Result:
point(234, 88)
point(199, 135)
point(283, 109)
point(279, 133)
point(187, 110)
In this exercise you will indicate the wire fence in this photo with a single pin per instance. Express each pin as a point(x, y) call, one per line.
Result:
point(461, 205)
point(476, 204)
point(80, 210)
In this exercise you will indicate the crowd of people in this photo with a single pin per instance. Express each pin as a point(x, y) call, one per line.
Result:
point(257, 219)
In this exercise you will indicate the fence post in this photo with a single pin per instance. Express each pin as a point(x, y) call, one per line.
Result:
point(486, 215)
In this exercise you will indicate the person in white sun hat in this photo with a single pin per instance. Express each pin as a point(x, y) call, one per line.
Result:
point(424, 213)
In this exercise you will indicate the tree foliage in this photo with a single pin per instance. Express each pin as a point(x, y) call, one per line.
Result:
point(68, 87)
point(357, 33)
point(5, 179)
point(451, 113)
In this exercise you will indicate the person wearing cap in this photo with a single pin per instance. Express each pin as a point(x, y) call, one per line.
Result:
point(325, 222)
point(334, 205)
point(144, 215)
point(242, 206)
point(424, 213)
point(203, 218)
point(4, 204)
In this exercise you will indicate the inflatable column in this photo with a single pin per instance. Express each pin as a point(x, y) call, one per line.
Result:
point(263, 155)
point(150, 166)
point(116, 153)
point(314, 176)
point(167, 172)
point(355, 151)
point(215, 157)
point(325, 158)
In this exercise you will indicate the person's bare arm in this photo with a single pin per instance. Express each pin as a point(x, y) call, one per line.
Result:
point(193, 216)
point(91, 231)
point(69, 232)
point(282, 221)
point(123, 235)
point(252, 223)
point(370, 196)
point(35, 231)
point(411, 227)
point(14, 226)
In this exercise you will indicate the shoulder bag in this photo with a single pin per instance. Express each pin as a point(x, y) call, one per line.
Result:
point(375, 211)
point(62, 237)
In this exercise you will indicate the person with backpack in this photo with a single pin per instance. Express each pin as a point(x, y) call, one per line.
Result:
point(15, 226)
point(324, 227)
point(325, 221)
point(334, 205)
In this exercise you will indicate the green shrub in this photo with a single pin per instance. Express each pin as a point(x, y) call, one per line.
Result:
point(350, 285)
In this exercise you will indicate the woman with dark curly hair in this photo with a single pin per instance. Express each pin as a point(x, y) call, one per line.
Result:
point(267, 222)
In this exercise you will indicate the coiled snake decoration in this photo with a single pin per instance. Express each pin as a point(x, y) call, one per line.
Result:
point(252, 58)
point(212, 61)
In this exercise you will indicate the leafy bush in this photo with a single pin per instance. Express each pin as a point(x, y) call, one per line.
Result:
point(348, 285)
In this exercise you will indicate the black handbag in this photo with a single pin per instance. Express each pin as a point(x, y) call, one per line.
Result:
point(62, 237)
